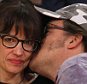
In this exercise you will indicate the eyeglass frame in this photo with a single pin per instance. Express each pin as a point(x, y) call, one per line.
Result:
point(54, 27)
point(19, 40)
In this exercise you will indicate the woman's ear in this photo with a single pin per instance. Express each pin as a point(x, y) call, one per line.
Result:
point(74, 41)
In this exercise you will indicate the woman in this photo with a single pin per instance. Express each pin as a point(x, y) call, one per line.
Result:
point(20, 32)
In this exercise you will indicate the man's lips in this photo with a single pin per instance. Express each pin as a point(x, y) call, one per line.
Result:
point(16, 61)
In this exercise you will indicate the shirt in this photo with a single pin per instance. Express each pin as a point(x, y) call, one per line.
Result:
point(73, 70)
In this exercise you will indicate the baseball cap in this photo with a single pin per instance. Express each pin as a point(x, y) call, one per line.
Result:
point(75, 12)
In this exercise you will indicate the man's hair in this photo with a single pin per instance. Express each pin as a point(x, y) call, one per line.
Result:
point(74, 29)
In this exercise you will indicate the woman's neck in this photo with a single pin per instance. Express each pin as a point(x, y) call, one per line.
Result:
point(10, 78)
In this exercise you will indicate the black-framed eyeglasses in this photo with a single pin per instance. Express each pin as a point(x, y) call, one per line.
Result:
point(53, 26)
point(12, 41)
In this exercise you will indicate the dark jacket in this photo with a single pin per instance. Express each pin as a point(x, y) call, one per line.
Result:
point(42, 80)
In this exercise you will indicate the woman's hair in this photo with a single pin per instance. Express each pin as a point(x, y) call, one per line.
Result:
point(14, 12)
point(17, 11)
point(74, 29)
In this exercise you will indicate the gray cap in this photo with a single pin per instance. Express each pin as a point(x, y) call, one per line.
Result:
point(76, 12)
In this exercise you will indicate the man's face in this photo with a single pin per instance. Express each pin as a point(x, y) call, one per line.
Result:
point(52, 50)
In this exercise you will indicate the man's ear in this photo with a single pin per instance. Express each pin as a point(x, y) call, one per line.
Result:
point(74, 41)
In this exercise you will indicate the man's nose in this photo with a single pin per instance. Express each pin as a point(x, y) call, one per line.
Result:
point(18, 50)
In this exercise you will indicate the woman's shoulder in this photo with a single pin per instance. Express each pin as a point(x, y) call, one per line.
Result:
point(42, 80)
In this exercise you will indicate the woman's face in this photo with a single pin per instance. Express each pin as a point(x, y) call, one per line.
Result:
point(14, 60)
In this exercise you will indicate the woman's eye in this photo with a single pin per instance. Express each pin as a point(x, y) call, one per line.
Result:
point(9, 40)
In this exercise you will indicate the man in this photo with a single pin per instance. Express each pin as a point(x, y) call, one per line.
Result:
point(63, 54)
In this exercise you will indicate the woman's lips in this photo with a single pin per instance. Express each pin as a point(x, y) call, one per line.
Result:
point(16, 61)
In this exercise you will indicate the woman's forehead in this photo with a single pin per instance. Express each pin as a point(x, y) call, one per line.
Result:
point(20, 29)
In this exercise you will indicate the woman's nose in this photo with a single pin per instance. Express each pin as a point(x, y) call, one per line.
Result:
point(18, 50)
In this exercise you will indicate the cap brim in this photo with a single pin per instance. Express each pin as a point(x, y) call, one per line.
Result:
point(47, 12)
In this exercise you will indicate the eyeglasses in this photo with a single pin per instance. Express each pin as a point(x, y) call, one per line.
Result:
point(53, 26)
point(12, 41)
